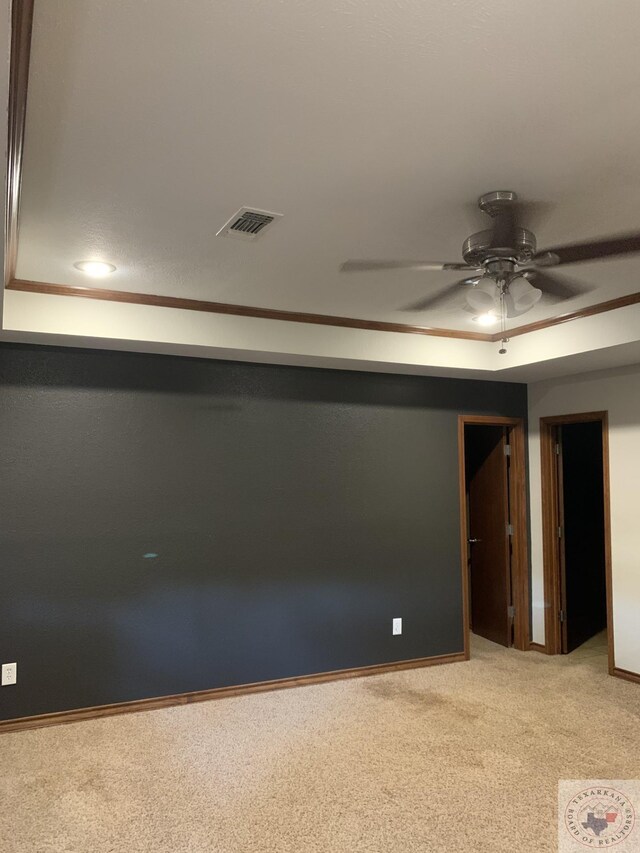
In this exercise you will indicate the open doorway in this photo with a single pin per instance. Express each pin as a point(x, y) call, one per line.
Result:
point(494, 529)
point(576, 535)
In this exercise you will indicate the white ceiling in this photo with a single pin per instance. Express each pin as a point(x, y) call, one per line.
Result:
point(370, 124)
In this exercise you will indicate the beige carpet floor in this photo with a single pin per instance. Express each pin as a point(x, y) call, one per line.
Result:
point(462, 757)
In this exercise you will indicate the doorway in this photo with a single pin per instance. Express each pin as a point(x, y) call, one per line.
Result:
point(493, 530)
point(576, 531)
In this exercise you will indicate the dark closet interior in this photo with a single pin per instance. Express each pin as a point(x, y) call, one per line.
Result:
point(581, 533)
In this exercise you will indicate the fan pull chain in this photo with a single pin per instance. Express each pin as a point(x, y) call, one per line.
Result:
point(503, 318)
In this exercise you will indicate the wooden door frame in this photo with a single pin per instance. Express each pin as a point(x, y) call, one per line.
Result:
point(520, 573)
point(550, 522)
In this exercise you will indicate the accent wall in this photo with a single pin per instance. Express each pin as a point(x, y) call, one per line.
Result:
point(171, 525)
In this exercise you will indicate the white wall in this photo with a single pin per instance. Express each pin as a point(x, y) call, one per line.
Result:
point(618, 392)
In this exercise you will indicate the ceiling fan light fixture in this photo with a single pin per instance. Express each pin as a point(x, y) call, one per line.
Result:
point(486, 319)
point(483, 298)
point(523, 294)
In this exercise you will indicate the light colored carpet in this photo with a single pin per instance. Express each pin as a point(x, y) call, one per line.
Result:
point(462, 757)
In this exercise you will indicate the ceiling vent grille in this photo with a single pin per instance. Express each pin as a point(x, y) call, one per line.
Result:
point(248, 223)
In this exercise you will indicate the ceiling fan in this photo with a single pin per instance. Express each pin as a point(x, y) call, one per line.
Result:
point(507, 275)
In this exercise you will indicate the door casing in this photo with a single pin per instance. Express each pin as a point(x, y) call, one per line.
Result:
point(519, 542)
point(551, 522)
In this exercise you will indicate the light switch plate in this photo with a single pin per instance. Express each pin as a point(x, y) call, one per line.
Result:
point(9, 674)
point(397, 625)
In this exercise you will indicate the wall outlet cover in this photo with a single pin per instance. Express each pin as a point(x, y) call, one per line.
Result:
point(9, 674)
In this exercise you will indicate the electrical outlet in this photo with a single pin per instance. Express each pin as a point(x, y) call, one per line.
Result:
point(9, 674)
point(397, 625)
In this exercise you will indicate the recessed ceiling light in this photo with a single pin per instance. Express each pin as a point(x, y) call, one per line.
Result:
point(487, 319)
point(96, 269)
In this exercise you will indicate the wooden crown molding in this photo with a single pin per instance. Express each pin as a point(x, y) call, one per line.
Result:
point(314, 319)
point(21, 27)
point(238, 310)
point(580, 314)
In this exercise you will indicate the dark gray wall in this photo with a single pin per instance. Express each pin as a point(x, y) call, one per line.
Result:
point(294, 512)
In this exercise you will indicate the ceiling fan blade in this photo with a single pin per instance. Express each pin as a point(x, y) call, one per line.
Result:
point(364, 266)
point(556, 287)
point(575, 253)
point(437, 298)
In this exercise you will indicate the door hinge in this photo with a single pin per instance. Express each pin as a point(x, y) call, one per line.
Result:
point(557, 450)
point(507, 450)
point(509, 529)
point(562, 615)
point(559, 531)
point(511, 611)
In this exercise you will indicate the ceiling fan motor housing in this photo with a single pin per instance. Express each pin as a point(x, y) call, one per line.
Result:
point(519, 245)
point(479, 248)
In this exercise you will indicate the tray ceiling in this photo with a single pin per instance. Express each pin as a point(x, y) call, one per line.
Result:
point(371, 126)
